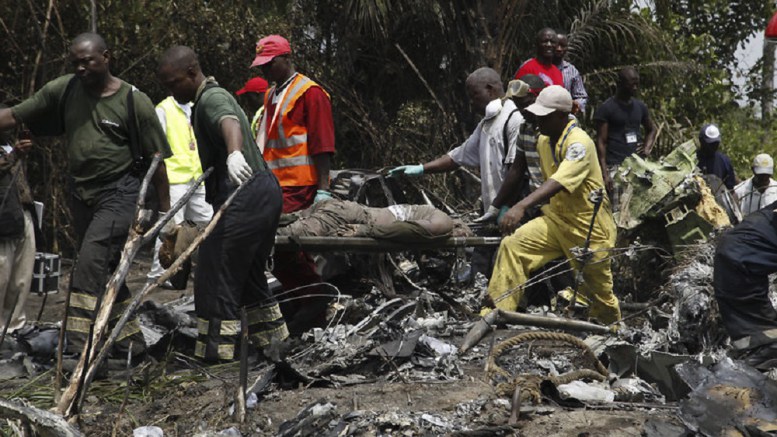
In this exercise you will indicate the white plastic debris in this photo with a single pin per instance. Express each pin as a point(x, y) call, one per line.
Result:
point(434, 420)
point(586, 392)
point(251, 400)
point(148, 431)
point(636, 390)
point(438, 346)
point(436, 321)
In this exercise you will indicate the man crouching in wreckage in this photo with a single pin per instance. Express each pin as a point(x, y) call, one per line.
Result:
point(744, 258)
point(571, 170)
point(230, 271)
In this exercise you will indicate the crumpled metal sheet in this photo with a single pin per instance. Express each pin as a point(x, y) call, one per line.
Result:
point(654, 366)
point(661, 428)
point(647, 184)
point(695, 325)
point(730, 399)
point(313, 420)
point(38, 342)
point(15, 367)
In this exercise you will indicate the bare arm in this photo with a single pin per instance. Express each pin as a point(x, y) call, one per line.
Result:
point(511, 187)
point(323, 162)
point(233, 136)
point(602, 132)
point(162, 186)
point(650, 135)
point(7, 120)
point(513, 217)
point(20, 149)
point(440, 165)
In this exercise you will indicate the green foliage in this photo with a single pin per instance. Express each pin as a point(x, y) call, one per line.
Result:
point(224, 33)
point(745, 136)
point(725, 23)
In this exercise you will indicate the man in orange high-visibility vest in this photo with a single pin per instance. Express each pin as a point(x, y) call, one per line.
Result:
point(296, 136)
point(300, 137)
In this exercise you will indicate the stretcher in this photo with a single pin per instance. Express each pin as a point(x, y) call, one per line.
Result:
point(366, 244)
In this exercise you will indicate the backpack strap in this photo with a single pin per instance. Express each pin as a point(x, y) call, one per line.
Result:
point(62, 102)
point(505, 143)
point(195, 106)
point(138, 162)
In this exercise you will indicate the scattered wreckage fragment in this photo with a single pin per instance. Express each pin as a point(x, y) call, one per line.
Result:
point(37, 421)
point(731, 398)
point(403, 338)
point(669, 190)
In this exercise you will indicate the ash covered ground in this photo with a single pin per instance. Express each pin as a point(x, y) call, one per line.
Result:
point(393, 366)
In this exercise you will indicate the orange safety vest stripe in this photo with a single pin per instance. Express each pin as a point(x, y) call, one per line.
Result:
point(286, 152)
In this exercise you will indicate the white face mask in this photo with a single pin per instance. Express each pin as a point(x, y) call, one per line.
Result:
point(493, 108)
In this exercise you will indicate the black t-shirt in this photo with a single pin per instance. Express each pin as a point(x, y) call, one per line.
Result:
point(623, 121)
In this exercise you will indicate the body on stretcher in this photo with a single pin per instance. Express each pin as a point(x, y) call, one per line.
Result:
point(367, 244)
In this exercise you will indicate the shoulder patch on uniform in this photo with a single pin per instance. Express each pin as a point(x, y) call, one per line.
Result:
point(575, 152)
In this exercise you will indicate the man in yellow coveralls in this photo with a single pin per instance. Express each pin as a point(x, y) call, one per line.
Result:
point(571, 170)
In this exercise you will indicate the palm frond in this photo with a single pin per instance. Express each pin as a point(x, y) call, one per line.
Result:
point(369, 16)
point(601, 25)
point(612, 71)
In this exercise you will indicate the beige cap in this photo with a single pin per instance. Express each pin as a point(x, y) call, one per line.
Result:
point(763, 164)
point(516, 88)
point(552, 98)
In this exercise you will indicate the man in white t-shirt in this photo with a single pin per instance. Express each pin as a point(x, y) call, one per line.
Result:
point(760, 190)
point(490, 148)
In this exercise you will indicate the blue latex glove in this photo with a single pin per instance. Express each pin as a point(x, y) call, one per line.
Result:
point(502, 211)
point(408, 170)
point(322, 195)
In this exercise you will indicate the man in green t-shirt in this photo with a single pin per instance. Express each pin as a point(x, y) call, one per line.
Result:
point(230, 271)
point(91, 108)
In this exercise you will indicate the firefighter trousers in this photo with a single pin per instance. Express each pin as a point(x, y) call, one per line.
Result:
point(231, 273)
point(102, 227)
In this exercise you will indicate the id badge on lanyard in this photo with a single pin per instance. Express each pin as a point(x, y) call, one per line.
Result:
point(631, 138)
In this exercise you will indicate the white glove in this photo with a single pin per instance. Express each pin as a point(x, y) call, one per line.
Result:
point(238, 169)
point(491, 215)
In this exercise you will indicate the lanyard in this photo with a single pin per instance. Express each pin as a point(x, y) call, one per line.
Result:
point(261, 136)
point(558, 159)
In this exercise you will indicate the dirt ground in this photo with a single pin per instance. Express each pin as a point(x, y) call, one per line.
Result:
point(184, 398)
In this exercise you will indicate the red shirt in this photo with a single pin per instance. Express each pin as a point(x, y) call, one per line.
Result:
point(550, 74)
point(314, 111)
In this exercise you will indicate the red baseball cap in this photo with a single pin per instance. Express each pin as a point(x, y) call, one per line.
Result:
point(254, 85)
point(269, 47)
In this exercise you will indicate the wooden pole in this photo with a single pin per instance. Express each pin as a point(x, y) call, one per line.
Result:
point(135, 241)
point(560, 323)
point(93, 16)
point(240, 401)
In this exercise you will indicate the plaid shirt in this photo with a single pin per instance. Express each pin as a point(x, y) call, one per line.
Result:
point(527, 145)
point(573, 82)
